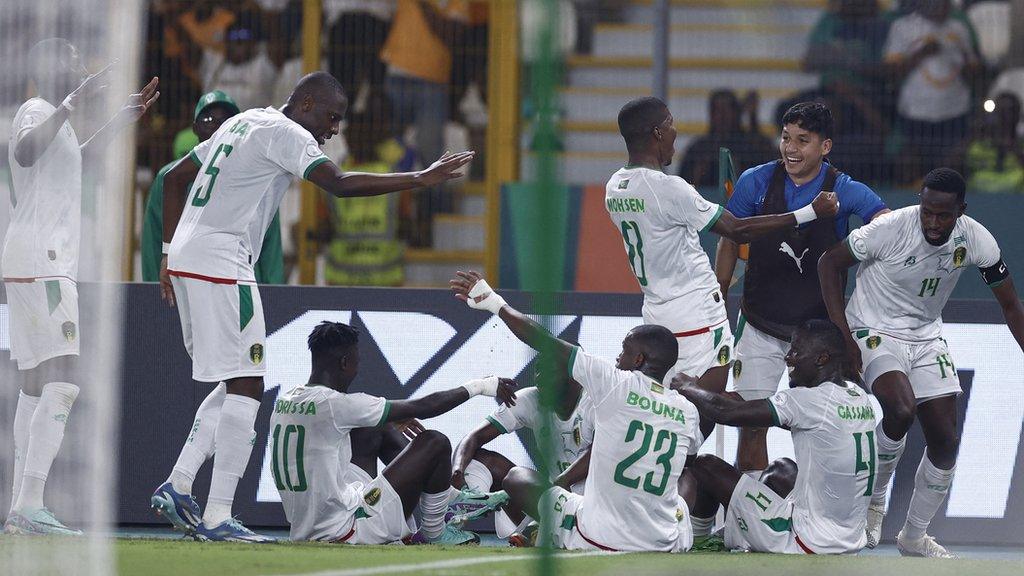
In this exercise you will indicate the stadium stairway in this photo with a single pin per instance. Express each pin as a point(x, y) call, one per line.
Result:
point(459, 242)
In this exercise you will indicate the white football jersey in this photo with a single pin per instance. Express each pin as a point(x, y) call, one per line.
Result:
point(660, 218)
point(573, 434)
point(311, 454)
point(643, 433)
point(46, 217)
point(833, 428)
point(903, 282)
point(247, 166)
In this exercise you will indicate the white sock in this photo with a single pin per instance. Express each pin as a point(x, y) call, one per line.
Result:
point(889, 452)
point(701, 526)
point(46, 432)
point(233, 440)
point(931, 485)
point(22, 419)
point(199, 444)
point(755, 474)
point(478, 476)
point(432, 510)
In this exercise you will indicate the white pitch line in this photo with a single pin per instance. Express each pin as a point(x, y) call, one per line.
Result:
point(442, 564)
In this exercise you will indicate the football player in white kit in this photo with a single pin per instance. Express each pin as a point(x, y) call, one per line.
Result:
point(40, 263)
point(312, 453)
point(643, 435)
point(481, 470)
point(212, 239)
point(817, 506)
point(910, 261)
point(660, 217)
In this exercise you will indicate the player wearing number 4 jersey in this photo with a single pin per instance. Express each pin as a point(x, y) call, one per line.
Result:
point(312, 453)
point(212, 240)
point(660, 217)
point(818, 506)
point(643, 434)
point(910, 261)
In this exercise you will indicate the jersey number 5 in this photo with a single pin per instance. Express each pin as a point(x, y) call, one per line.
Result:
point(203, 193)
point(635, 249)
point(664, 460)
point(289, 453)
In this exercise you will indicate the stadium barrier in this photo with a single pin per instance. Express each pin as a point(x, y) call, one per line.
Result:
point(418, 341)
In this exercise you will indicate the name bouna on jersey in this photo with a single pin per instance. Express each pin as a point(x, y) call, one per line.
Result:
point(655, 407)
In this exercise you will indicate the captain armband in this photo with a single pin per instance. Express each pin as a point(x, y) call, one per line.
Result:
point(995, 274)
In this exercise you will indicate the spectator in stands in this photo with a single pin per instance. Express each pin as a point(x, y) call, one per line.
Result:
point(749, 147)
point(934, 59)
point(845, 46)
point(356, 31)
point(419, 65)
point(995, 158)
point(244, 68)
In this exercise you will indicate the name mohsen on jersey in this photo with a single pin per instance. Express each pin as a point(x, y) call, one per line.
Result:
point(624, 204)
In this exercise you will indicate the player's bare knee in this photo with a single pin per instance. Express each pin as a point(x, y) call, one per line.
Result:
point(901, 413)
point(251, 387)
point(704, 467)
point(434, 441)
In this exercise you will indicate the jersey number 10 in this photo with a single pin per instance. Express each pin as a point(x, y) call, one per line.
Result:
point(289, 453)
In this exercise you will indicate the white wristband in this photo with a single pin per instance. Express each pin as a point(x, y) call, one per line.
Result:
point(482, 386)
point(483, 297)
point(805, 215)
point(166, 248)
point(67, 103)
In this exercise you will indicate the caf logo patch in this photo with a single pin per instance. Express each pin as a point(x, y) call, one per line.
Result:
point(256, 353)
point(372, 497)
point(723, 355)
point(873, 342)
point(737, 369)
point(69, 331)
point(959, 256)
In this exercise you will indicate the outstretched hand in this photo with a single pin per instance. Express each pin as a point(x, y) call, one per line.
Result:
point(93, 84)
point(410, 428)
point(826, 204)
point(506, 392)
point(463, 283)
point(446, 168)
point(139, 103)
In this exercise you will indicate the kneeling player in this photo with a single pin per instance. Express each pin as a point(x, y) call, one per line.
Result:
point(833, 438)
point(482, 470)
point(643, 433)
point(312, 453)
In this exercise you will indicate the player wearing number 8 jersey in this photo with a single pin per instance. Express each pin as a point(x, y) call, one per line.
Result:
point(212, 240)
point(818, 506)
point(660, 217)
point(643, 435)
point(910, 261)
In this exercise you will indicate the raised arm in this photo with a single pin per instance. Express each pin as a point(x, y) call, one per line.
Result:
point(440, 402)
point(743, 230)
point(467, 449)
point(1013, 311)
point(725, 409)
point(133, 109)
point(331, 179)
point(830, 275)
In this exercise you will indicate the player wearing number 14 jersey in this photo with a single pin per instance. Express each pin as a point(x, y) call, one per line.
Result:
point(660, 217)
point(212, 240)
point(910, 261)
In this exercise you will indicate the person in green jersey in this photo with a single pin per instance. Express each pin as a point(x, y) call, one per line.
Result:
point(212, 110)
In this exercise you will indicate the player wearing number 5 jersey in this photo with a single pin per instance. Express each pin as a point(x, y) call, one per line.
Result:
point(660, 217)
point(910, 261)
point(212, 240)
point(818, 506)
point(643, 435)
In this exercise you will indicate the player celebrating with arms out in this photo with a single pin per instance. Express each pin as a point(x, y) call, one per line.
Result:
point(910, 261)
point(660, 217)
point(817, 506)
point(213, 240)
point(643, 434)
point(310, 429)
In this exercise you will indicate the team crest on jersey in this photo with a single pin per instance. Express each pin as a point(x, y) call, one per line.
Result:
point(372, 497)
point(69, 331)
point(624, 184)
point(723, 355)
point(256, 353)
point(959, 256)
point(910, 261)
point(737, 369)
point(873, 342)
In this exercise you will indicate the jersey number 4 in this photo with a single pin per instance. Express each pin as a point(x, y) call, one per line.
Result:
point(665, 442)
point(635, 249)
point(869, 464)
point(287, 455)
point(203, 192)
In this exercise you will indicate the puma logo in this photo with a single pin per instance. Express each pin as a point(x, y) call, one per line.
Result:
point(787, 249)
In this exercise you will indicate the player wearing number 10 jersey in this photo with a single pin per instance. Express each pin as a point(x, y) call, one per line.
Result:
point(660, 217)
point(910, 261)
point(643, 435)
point(212, 240)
